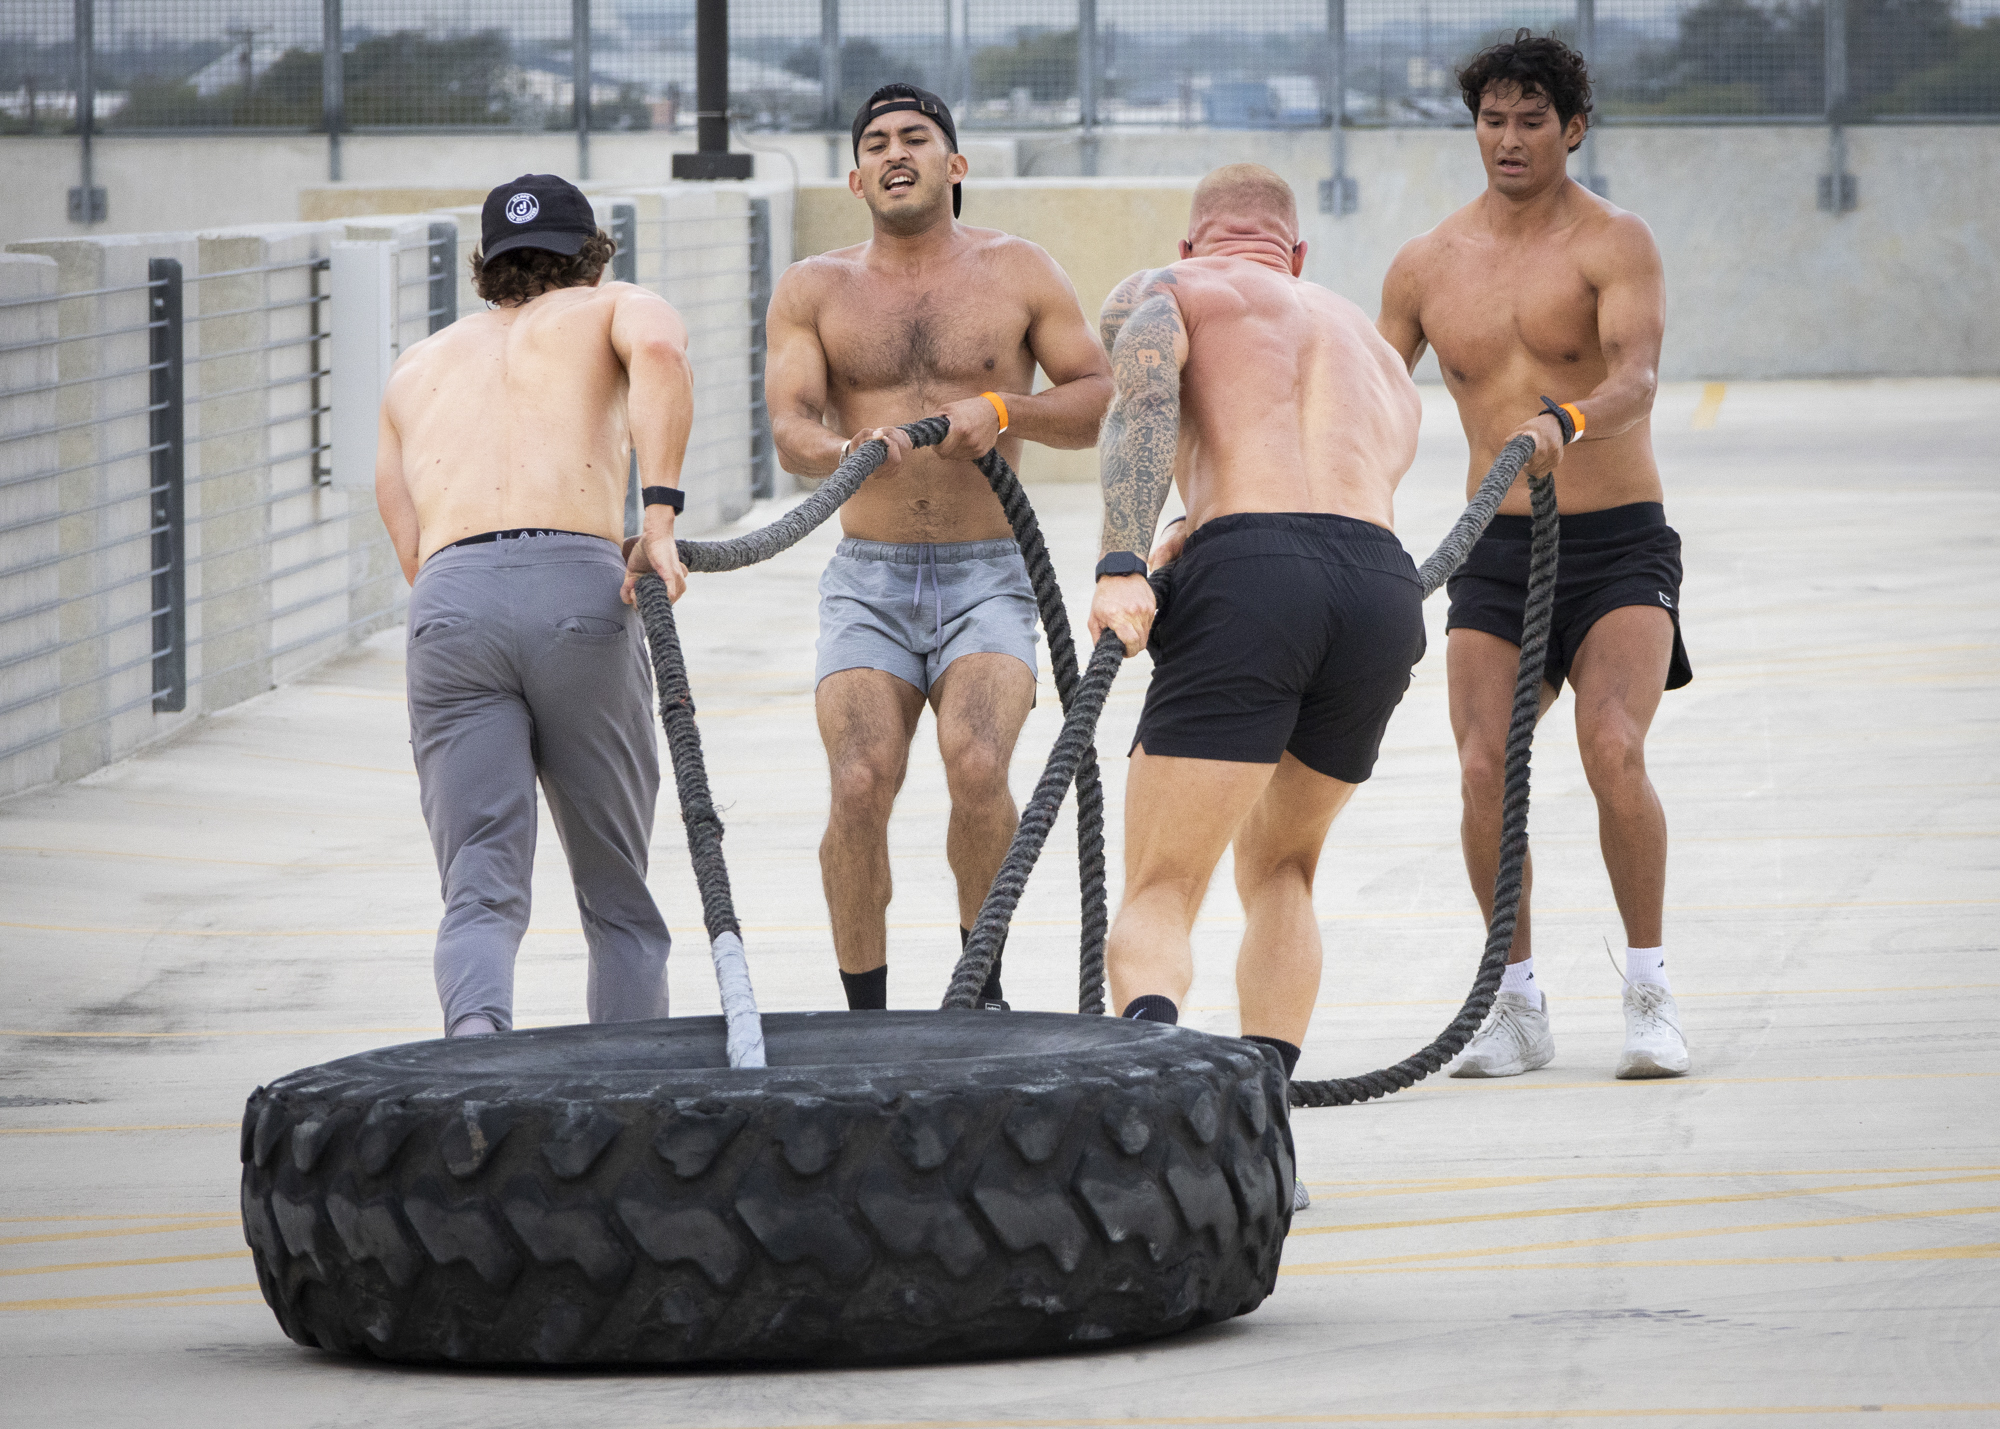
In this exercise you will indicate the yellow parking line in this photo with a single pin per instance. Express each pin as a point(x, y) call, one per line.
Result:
point(1538, 1212)
point(1942, 1252)
point(1442, 1416)
point(1329, 1267)
point(155, 1217)
point(135, 1297)
point(163, 1227)
point(78, 1130)
point(118, 1264)
point(1484, 1183)
point(1710, 406)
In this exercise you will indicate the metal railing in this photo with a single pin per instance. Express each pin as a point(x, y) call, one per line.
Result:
point(173, 537)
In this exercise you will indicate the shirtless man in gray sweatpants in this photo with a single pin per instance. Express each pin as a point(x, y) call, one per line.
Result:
point(501, 476)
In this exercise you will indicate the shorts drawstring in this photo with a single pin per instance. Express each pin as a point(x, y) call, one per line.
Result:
point(927, 552)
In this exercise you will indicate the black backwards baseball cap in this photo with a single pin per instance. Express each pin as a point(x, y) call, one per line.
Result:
point(907, 96)
point(536, 211)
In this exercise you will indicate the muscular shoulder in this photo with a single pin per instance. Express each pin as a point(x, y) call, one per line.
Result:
point(810, 282)
point(1612, 243)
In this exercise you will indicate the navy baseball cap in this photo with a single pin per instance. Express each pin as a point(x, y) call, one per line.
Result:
point(892, 97)
point(536, 211)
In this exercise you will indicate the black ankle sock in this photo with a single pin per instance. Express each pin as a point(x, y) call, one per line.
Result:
point(990, 992)
point(867, 992)
point(1284, 1049)
point(1152, 1008)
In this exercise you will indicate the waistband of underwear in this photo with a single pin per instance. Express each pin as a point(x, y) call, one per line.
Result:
point(924, 553)
point(518, 533)
point(1587, 525)
point(1321, 525)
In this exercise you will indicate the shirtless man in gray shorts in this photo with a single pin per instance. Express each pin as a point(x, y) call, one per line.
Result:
point(501, 476)
point(927, 600)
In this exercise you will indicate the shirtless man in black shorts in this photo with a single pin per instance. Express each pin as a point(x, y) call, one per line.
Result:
point(1290, 619)
point(1539, 289)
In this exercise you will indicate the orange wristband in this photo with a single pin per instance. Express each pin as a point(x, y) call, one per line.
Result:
point(1575, 415)
point(998, 406)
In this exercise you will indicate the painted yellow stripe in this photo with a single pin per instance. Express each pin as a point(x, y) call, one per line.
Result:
point(1710, 405)
point(432, 1031)
point(1942, 1252)
point(1539, 1212)
point(191, 1223)
point(1437, 1416)
point(119, 1264)
point(154, 1218)
point(1327, 1267)
point(1484, 1183)
point(77, 1130)
point(290, 865)
point(135, 1297)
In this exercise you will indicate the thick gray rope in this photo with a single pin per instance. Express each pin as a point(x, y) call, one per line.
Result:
point(1072, 745)
point(1096, 920)
point(1539, 616)
point(745, 1036)
point(1477, 516)
point(809, 515)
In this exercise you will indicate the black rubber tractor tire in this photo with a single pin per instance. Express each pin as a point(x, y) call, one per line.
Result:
point(1014, 1182)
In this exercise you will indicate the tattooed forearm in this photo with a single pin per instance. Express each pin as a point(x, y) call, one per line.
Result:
point(1143, 430)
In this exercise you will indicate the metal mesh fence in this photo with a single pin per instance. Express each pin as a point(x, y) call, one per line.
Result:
point(1013, 64)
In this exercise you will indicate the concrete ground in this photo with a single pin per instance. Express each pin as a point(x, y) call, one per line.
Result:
point(1804, 1229)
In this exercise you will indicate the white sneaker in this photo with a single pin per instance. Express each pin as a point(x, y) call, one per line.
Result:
point(1301, 1197)
point(1514, 1039)
point(1654, 1046)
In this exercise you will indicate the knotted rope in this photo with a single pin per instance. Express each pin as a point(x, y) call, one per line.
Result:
point(1073, 758)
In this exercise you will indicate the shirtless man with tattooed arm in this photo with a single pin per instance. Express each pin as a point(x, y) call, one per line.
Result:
point(1290, 618)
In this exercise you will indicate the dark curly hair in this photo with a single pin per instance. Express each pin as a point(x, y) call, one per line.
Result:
point(514, 277)
point(1533, 64)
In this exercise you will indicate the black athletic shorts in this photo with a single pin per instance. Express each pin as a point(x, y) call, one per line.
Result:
point(1283, 631)
point(1627, 555)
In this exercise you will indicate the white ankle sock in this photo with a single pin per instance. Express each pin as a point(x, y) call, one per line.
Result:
point(1647, 965)
point(1520, 977)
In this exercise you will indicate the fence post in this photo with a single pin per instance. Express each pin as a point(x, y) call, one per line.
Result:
point(1838, 191)
point(763, 452)
point(829, 63)
point(1086, 81)
point(1586, 45)
point(86, 201)
point(362, 316)
point(332, 85)
point(166, 435)
point(579, 74)
point(1339, 194)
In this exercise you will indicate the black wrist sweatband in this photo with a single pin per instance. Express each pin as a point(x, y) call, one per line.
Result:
point(665, 496)
point(1121, 563)
point(1563, 420)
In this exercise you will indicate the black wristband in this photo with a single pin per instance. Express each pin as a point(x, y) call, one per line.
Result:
point(1121, 563)
point(665, 496)
point(1563, 420)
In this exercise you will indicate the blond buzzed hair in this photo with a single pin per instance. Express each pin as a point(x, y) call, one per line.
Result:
point(1245, 191)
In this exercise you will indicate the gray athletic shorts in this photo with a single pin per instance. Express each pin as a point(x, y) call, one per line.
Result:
point(913, 609)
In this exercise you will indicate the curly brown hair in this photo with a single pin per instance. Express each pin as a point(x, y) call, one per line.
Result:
point(1533, 64)
point(513, 278)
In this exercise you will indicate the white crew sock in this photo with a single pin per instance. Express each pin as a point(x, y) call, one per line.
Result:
point(1647, 965)
point(1520, 978)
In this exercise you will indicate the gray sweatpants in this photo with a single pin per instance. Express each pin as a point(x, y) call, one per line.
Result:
point(523, 663)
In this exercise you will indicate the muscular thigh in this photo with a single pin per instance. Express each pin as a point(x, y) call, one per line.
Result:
point(981, 702)
point(1620, 670)
point(1180, 814)
point(1480, 671)
point(1288, 823)
point(867, 714)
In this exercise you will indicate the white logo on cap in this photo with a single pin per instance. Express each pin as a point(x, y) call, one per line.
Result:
point(522, 208)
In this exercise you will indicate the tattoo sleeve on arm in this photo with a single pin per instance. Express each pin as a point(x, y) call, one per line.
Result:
point(1142, 433)
point(1127, 296)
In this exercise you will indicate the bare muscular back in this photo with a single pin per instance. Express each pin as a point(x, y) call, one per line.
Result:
point(1290, 400)
point(517, 416)
point(1518, 312)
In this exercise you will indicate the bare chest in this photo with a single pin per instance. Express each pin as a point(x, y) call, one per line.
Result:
point(1483, 312)
point(880, 338)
